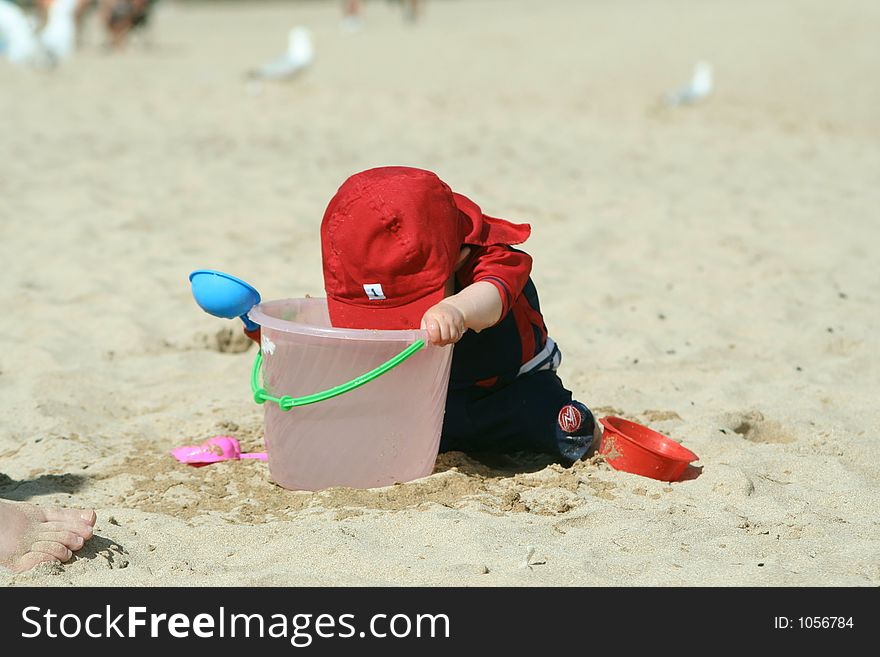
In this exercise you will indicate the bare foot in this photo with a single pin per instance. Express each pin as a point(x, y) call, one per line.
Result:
point(30, 535)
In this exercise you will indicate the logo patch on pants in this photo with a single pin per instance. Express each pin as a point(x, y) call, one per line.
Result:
point(569, 418)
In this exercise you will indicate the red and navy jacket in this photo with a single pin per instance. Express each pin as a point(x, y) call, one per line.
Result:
point(518, 343)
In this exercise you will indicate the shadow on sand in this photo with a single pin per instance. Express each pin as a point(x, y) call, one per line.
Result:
point(46, 484)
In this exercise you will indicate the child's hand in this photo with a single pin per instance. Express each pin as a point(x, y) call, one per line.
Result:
point(444, 323)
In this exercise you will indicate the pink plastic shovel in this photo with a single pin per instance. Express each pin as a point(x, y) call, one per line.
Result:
point(214, 450)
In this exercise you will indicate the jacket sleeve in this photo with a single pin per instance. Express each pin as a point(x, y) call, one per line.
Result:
point(505, 267)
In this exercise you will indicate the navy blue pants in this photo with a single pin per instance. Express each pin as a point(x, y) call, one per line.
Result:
point(522, 416)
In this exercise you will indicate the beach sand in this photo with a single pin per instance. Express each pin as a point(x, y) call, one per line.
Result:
point(707, 270)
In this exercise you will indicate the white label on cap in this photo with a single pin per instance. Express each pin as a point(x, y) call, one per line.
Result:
point(374, 291)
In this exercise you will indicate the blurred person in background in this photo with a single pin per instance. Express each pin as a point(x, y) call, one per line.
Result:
point(412, 9)
point(352, 15)
point(82, 9)
point(61, 24)
point(122, 17)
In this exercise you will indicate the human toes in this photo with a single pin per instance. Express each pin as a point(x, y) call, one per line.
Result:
point(88, 516)
point(69, 539)
point(53, 549)
point(78, 516)
point(81, 529)
point(29, 560)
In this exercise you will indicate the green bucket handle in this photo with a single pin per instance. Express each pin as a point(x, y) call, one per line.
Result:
point(286, 402)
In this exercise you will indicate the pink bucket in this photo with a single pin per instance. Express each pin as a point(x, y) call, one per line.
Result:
point(384, 432)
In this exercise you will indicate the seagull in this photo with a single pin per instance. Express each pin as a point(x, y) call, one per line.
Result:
point(59, 35)
point(22, 46)
point(697, 89)
point(299, 55)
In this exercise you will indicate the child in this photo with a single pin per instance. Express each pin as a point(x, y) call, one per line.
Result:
point(401, 250)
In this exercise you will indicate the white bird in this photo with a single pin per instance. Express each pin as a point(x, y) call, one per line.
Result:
point(59, 35)
point(299, 55)
point(22, 46)
point(697, 89)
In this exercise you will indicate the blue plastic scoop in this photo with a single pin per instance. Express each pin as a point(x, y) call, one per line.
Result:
point(224, 296)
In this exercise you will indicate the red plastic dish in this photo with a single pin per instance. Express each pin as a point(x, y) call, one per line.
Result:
point(634, 448)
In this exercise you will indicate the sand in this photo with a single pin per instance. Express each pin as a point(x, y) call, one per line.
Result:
point(707, 270)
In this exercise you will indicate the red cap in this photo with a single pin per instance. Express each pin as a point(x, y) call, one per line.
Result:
point(390, 239)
